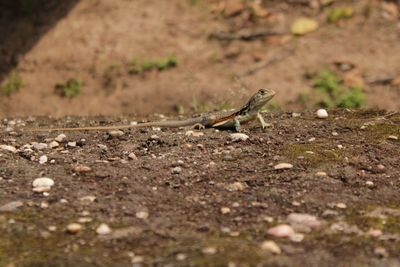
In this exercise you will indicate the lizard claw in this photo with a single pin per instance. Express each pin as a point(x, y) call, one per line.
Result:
point(199, 126)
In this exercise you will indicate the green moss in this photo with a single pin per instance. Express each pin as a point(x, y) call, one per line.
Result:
point(71, 88)
point(142, 65)
point(320, 153)
point(12, 84)
point(382, 131)
point(338, 14)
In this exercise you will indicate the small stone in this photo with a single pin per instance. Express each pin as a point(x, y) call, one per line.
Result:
point(330, 213)
point(296, 115)
point(380, 167)
point(44, 204)
point(296, 203)
point(116, 133)
point(176, 170)
point(43, 159)
point(369, 183)
point(381, 252)
point(312, 139)
point(82, 169)
point(42, 184)
point(393, 137)
point(39, 146)
point(137, 259)
point(60, 138)
point(194, 133)
point(322, 113)
point(321, 174)
point(11, 206)
point(236, 186)
point(103, 229)
point(52, 228)
point(303, 219)
point(181, 257)
point(303, 26)
point(374, 232)
point(88, 199)
point(236, 137)
point(71, 144)
point(282, 230)
point(142, 215)
point(132, 156)
point(268, 219)
point(340, 146)
point(271, 246)
point(341, 205)
point(8, 148)
point(282, 166)
point(154, 137)
point(296, 237)
point(225, 210)
point(209, 250)
point(74, 228)
point(335, 134)
point(53, 144)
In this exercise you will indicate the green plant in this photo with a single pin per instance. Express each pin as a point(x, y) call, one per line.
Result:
point(12, 84)
point(138, 66)
point(337, 14)
point(71, 88)
point(353, 98)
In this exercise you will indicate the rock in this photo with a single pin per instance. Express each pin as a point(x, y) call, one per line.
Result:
point(122, 233)
point(11, 206)
point(88, 199)
point(381, 252)
point(345, 228)
point(60, 138)
point(296, 237)
point(8, 148)
point(236, 137)
point(82, 169)
point(39, 146)
point(103, 229)
point(74, 228)
point(43, 159)
point(282, 166)
point(374, 232)
point(176, 170)
point(393, 137)
point(236, 186)
point(321, 174)
point(330, 213)
point(194, 133)
point(71, 144)
point(303, 26)
point(369, 183)
point(54, 144)
point(271, 246)
point(132, 156)
point(322, 113)
point(142, 215)
point(225, 210)
point(303, 222)
point(181, 257)
point(209, 250)
point(116, 133)
point(282, 230)
point(42, 184)
point(341, 205)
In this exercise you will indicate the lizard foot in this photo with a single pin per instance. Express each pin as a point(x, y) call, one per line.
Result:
point(198, 126)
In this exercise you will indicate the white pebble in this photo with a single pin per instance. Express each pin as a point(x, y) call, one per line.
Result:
point(209, 250)
point(341, 205)
point(322, 113)
point(282, 166)
point(236, 186)
point(393, 137)
point(176, 170)
point(71, 144)
point(8, 148)
point(53, 144)
point(271, 246)
point(282, 230)
point(39, 146)
point(132, 156)
point(42, 184)
point(43, 159)
point(142, 214)
point(74, 228)
point(369, 183)
point(321, 174)
point(235, 137)
point(194, 133)
point(303, 219)
point(297, 237)
point(116, 133)
point(103, 229)
point(225, 210)
point(60, 137)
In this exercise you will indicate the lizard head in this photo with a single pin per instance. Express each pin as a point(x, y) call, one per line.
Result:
point(261, 98)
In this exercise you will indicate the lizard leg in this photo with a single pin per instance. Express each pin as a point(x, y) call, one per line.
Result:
point(199, 126)
point(262, 121)
point(236, 124)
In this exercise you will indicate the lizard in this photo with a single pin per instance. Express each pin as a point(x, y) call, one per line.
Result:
point(220, 120)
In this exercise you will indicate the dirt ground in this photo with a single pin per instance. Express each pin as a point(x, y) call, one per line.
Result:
point(203, 200)
point(95, 41)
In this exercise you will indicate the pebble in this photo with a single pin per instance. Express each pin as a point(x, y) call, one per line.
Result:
point(54, 144)
point(154, 137)
point(281, 230)
point(304, 220)
point(393, 137)
point(335, 134)
point(181, 257)
point(381, 252)
point(8, 148)
point(74, 228)
point(132, 156)
point(88, 199)
point(322, 113)
point(82, 169)
point(380, 166)
point(43, 159)
point(225, 210)
point(116, 133)
point(330, 213)
point(236, 186)
point(176, 170)
point(271, 246)
point(236, 137)
point(282, 166)
point(369, 183)
point(341, 205)
point(11, 206)
point(321, 174)
point(71, 144)
point(42, 184)
point(142, 214)
point(209, 250)
point(296, 237)
point(296, 115)
point(194, 133)
point(374, 232)
point(39, 146)
point(103, 229)
point(312, 139)
point(60, 137)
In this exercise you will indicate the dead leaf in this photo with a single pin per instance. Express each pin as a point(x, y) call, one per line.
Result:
point(303, 26)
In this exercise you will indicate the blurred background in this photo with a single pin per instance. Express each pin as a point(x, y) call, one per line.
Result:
point(90, 57)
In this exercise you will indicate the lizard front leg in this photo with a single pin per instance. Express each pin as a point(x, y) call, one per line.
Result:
point(262, 121)
point(236, 124)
